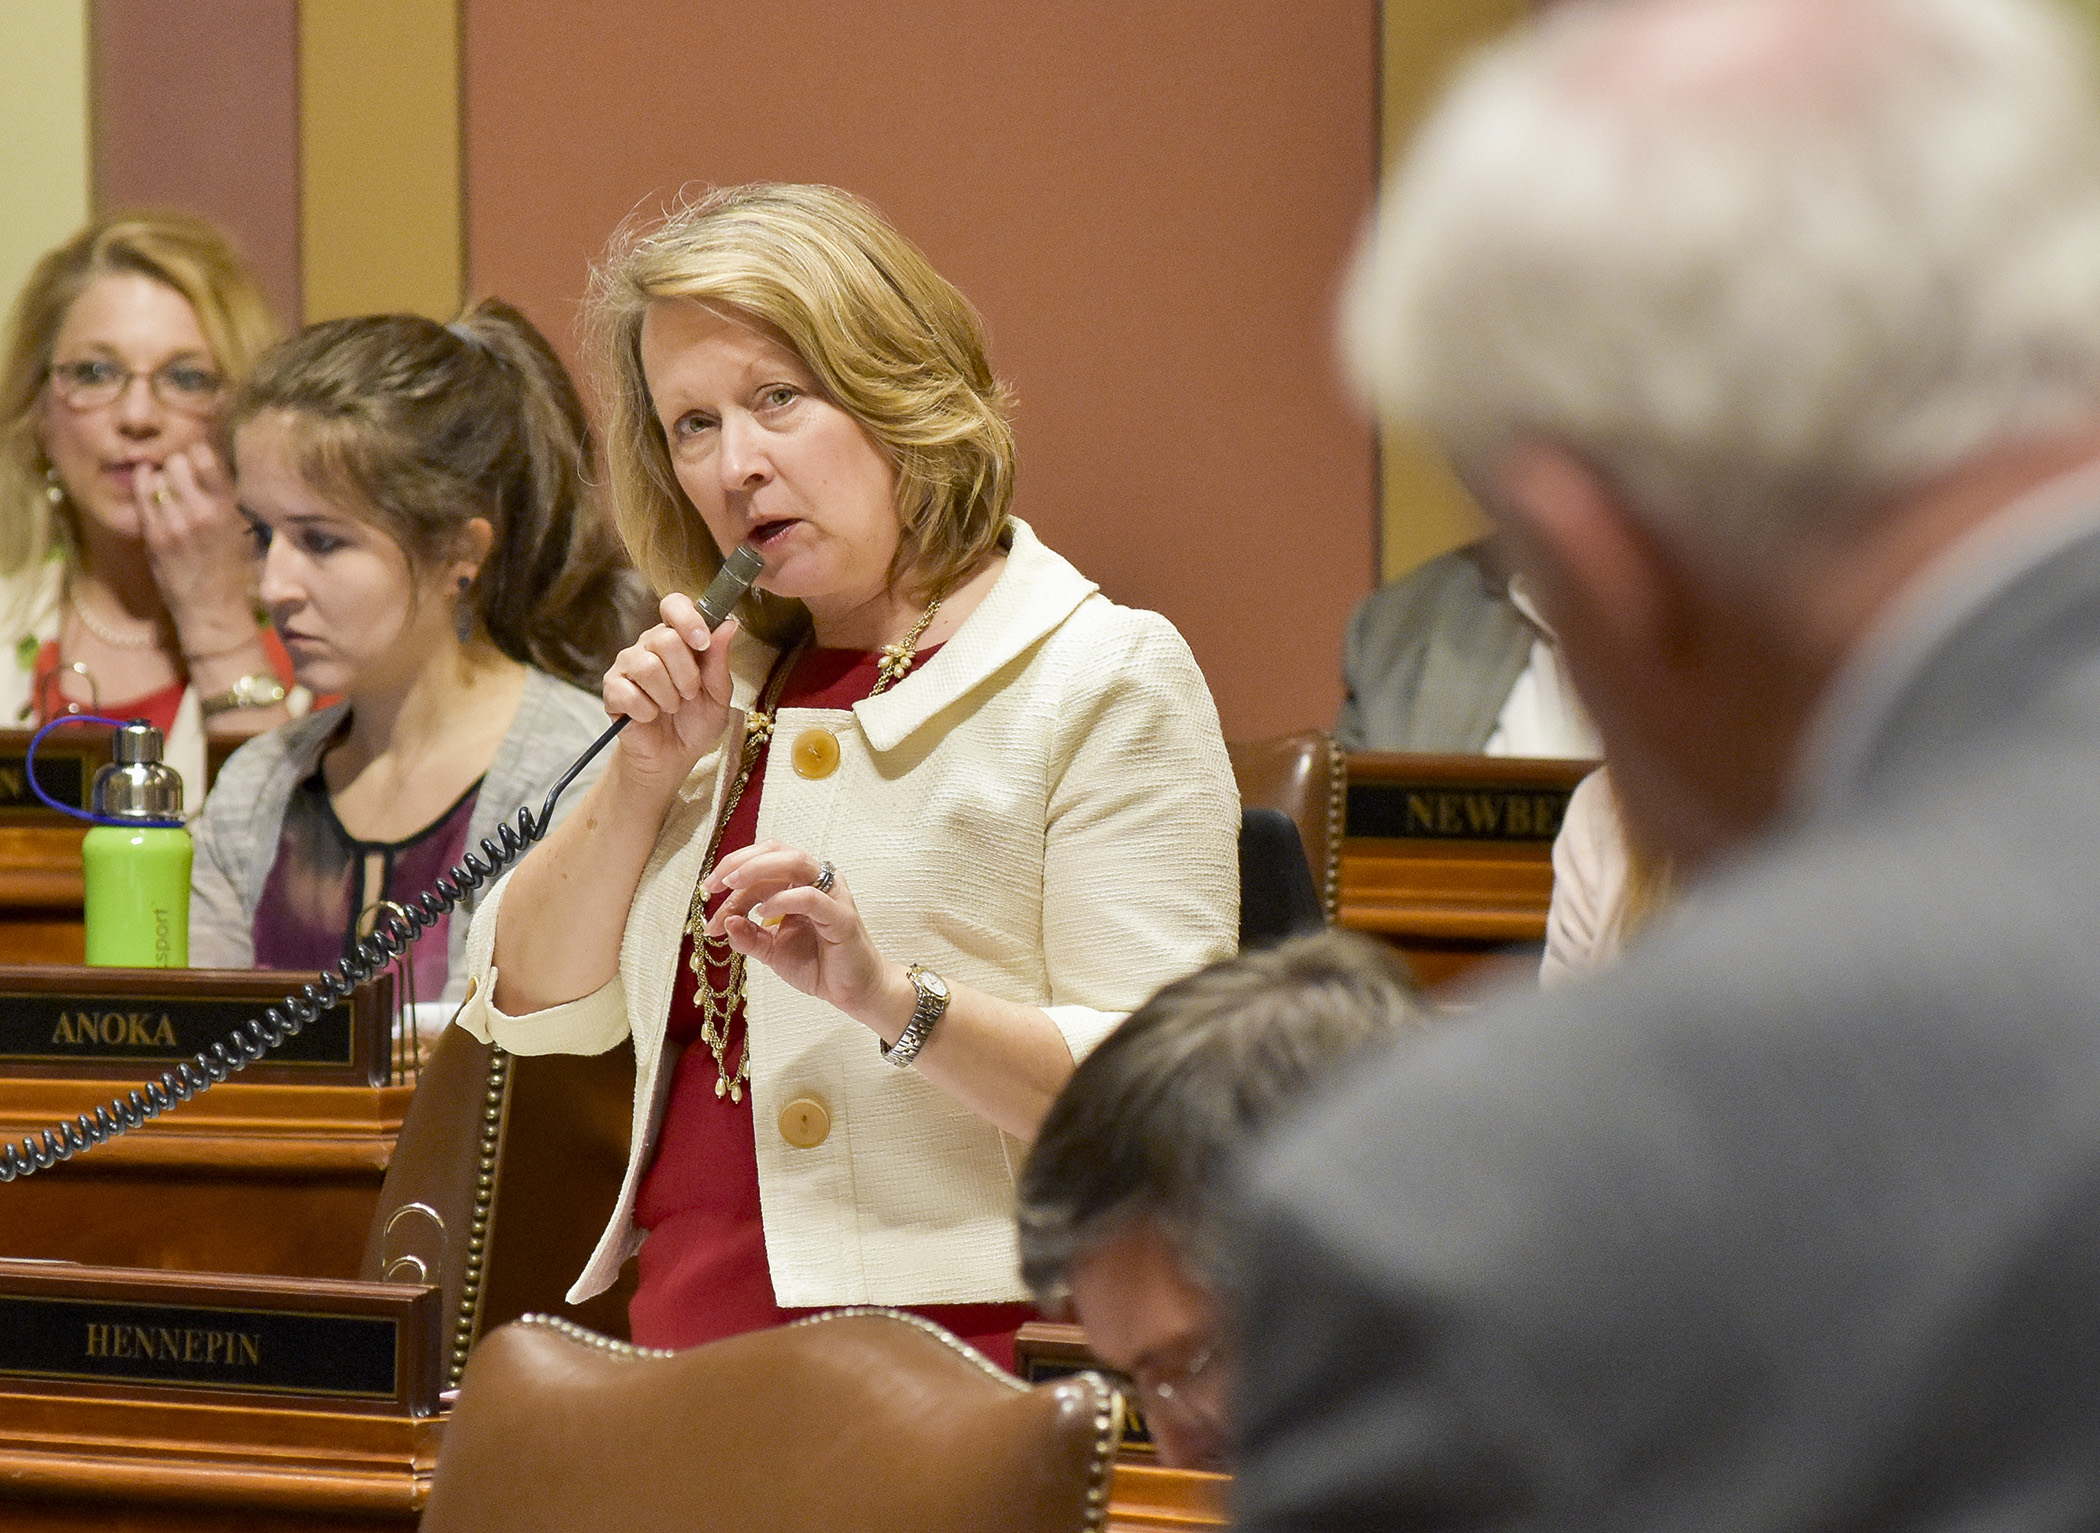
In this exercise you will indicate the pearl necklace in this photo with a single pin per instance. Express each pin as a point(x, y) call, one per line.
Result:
point(93, 625)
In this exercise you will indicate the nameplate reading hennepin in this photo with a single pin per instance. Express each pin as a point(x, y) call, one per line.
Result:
point(1455, 811)
point(58, 1028)
point(192, 1346)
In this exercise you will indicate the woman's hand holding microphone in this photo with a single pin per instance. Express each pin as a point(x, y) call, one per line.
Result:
point(673, 684)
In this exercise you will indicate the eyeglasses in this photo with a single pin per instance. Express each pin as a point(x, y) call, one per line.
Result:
point(97, 382)
point(1166, 1389)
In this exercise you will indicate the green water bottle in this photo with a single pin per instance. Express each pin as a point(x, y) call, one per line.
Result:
point(138, 859)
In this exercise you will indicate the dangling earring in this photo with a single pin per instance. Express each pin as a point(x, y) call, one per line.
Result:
point(463, 612)
point(53, 490)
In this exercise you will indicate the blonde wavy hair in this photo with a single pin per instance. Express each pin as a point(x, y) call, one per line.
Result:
point(892, 342)
point(175, 249)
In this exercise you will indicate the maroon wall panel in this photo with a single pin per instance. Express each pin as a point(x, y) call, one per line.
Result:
point(1149, 202)
point(196, 106)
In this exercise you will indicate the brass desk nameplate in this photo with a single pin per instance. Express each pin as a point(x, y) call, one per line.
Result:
point(1450, 857)
point(1432, 810)
point(92, 1024)
point(117, 1330)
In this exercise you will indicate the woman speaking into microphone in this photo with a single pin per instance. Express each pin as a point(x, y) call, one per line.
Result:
point(876, 861)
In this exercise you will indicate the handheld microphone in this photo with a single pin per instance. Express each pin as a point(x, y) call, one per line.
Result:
point(723, 592)
point(729, 585)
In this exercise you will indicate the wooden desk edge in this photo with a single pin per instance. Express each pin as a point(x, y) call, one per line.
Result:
point(148, 1452)
point(1148, 1496)
point(259, 1128)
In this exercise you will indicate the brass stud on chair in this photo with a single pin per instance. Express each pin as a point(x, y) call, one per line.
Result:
point(484, 1202)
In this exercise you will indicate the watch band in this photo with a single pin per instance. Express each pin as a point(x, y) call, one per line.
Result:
point(933, 1005)
point(258, 689)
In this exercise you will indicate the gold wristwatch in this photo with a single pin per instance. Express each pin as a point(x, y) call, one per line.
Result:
point(933, 1005)
point(258, 689)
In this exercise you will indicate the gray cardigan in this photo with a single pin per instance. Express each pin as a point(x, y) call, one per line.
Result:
point(236, 835)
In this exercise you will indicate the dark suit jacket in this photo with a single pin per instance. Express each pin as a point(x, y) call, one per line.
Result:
point(1431, 659)
point(1792, 1222)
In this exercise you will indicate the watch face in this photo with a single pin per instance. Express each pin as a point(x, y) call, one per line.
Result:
point(934, 984)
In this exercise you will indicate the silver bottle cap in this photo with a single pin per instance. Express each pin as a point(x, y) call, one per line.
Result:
point(138, 785)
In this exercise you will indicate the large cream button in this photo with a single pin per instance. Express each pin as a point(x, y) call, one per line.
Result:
point(805, 1123)
point(816, 753)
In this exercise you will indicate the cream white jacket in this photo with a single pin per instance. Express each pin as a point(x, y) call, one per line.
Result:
point(1044, 811)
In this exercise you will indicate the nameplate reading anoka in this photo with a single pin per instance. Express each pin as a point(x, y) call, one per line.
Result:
point(1444, 811)
point(198, 1346)
point(84, 1026)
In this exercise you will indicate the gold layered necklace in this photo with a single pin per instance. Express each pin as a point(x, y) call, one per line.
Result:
point(718, 1003)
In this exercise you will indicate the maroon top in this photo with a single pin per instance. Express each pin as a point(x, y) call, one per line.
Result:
point(324, 880)
point(702, 1271)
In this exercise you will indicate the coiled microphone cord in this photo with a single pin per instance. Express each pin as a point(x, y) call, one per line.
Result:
point(255, 1037)
point(399, 928)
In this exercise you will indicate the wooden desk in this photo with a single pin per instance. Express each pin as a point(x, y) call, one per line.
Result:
point(279, 1179)
point(41, 893)
point(138, 1464)
point(1450, 858)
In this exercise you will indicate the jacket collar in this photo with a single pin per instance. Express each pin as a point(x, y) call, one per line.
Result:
point(1036, 591)
point(2013, 599)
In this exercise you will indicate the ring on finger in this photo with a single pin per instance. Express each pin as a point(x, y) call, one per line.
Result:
point(160, 497)
point(826, 875)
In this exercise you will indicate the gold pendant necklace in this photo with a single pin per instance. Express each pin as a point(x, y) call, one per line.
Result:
point(718, 1003)
point(899, 658)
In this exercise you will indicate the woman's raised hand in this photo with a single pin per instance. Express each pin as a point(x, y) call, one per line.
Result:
point(811, 937)
point(199, 550)
point(674, 684)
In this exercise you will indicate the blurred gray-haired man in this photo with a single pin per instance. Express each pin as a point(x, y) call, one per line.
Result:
point(1770, 330)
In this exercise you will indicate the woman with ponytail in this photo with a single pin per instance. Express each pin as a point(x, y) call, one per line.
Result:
point(429, 549)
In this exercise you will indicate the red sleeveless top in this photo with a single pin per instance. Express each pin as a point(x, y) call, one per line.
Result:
point(702, 1273)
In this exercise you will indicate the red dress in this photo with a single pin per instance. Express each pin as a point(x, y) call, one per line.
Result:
point(702, 1272)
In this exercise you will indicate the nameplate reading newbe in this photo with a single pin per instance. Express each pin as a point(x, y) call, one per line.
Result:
point(1395, 797)
point(121, 1330)
point(1433, 812)
point(99, 1023)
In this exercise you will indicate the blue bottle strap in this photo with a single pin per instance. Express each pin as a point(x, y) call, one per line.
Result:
point(80, 814)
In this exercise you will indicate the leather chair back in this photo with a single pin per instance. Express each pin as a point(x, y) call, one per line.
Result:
point(1276, 888)
point(506, 1170)
point(864, 1419)
point(1306, 777)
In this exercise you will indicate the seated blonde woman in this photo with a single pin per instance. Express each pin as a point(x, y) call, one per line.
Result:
point(125, 583)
